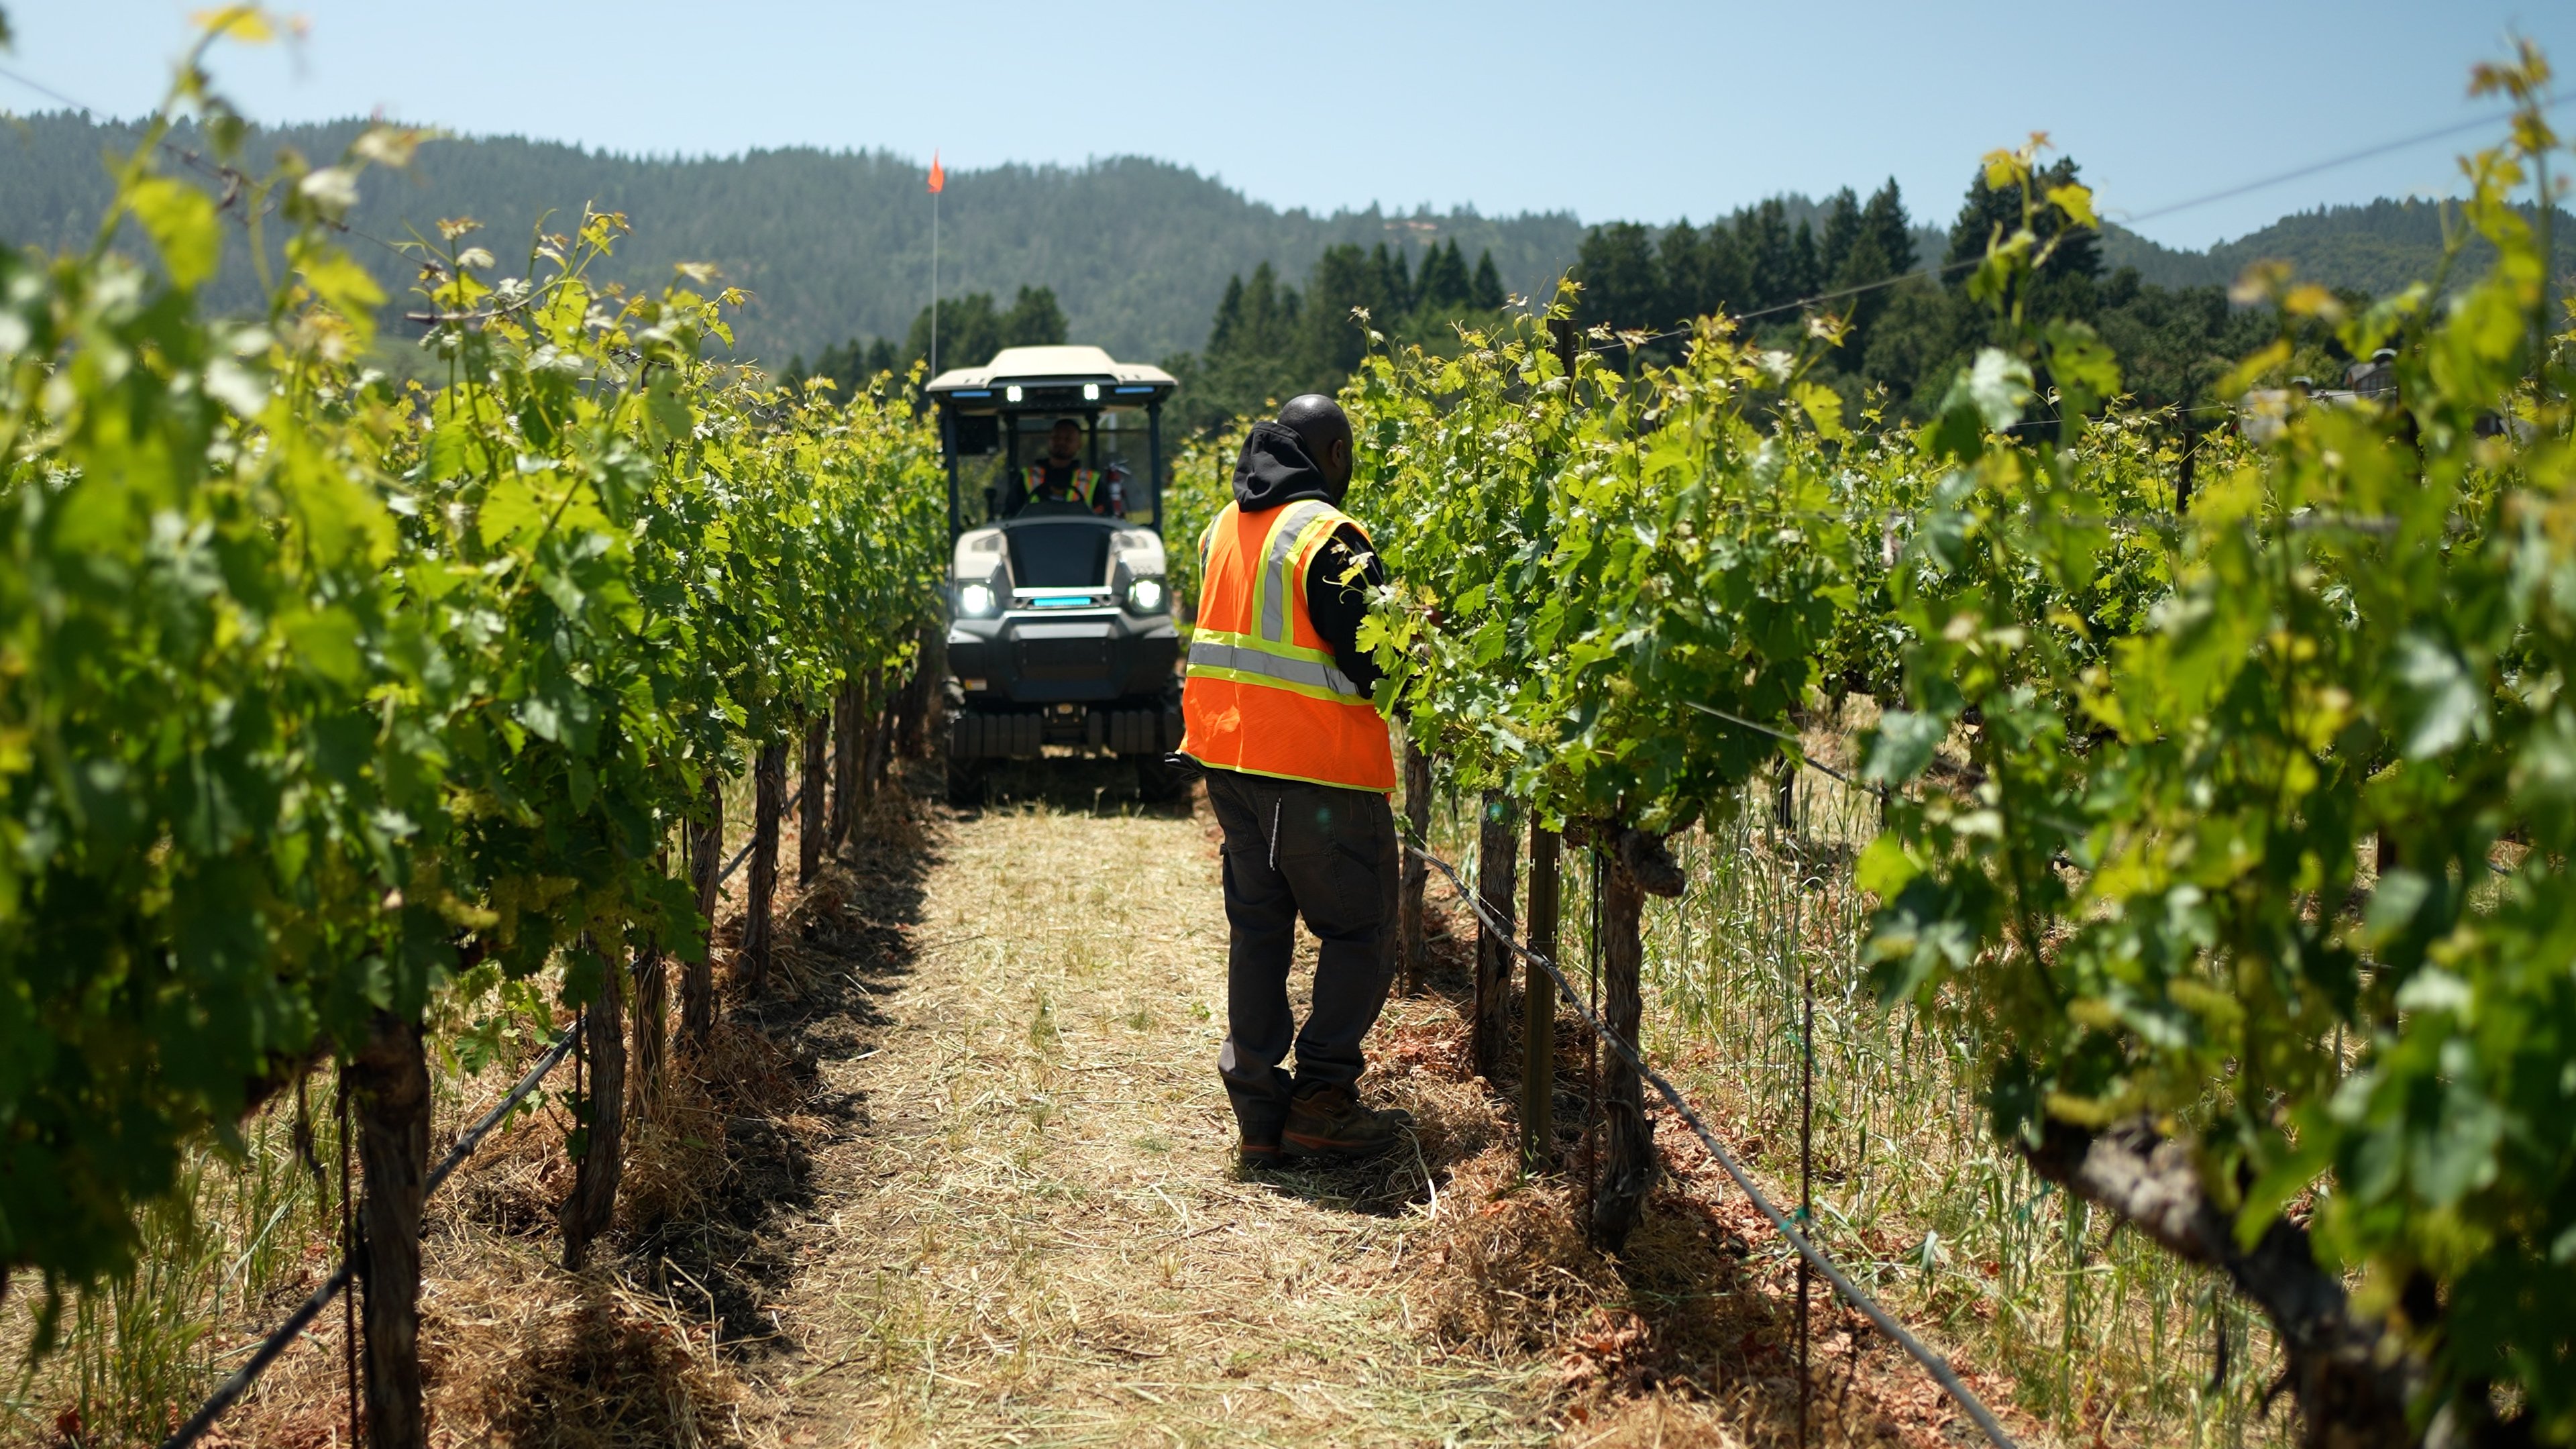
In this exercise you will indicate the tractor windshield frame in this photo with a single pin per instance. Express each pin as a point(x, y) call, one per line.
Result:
point(989, 415)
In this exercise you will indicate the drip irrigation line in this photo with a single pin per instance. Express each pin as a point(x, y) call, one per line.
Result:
point(473, 1136)
point(1933, 1363)
point(787, 792)
point(231, 1389)
point(1800, 756)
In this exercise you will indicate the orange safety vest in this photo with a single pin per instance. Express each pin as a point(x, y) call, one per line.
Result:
point(1083, 480)
point(1261, 694)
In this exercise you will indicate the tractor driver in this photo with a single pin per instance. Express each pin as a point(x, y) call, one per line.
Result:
point(1060, 477)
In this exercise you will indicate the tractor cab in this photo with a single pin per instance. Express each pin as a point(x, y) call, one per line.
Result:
point(1060, 618)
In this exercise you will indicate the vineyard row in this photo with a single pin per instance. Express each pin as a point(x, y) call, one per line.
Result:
point(2235, 846)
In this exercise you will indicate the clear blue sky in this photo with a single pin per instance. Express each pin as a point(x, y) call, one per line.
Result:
point(1631, 110)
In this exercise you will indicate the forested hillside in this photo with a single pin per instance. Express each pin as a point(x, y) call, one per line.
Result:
point(2376, 248)
point(834, 248)
point(831, 245)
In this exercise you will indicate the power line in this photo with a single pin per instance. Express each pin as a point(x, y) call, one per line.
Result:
point(232, 177)
point(2546, 103)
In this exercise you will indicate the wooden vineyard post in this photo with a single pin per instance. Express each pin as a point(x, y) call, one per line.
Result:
point(1639, 866)
point(929, 666)
point(809, 799)
point(1538, 1003)
point(872, 740)
point(389, 1089)
point(768, 803)
point(652, 1017)
point(889, 725)
point(846, 747)
point(1411, 940)
point(593, 1200)
point(706, 851)
point(1497, 868)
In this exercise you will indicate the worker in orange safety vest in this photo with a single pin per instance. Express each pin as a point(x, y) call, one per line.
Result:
point(1278, 713)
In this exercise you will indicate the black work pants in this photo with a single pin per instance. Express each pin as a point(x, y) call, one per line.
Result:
point(1328, 854)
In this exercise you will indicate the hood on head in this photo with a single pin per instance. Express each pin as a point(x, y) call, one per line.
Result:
point(1274, 468)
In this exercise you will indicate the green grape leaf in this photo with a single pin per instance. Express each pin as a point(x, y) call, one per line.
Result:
point(181, 221)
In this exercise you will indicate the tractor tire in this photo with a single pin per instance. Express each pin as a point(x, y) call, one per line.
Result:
point(966, 782)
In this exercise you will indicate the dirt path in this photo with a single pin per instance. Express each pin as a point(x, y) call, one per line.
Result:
point(1035, 1236)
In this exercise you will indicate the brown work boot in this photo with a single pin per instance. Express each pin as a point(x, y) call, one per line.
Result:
point(1327, 1120)
point(1257, 1156)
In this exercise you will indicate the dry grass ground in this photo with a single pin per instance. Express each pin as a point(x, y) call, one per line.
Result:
point(1037, 1237)
point(1041, 1238)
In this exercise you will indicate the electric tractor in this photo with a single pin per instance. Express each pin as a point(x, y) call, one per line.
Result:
point(1060, 640)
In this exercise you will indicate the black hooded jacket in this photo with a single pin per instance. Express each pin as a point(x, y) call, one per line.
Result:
point(1274, 469)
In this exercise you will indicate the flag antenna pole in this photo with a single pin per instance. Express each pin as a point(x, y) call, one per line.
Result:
point(938, 179)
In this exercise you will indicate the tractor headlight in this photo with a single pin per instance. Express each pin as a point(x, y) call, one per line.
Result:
point(975, 600)
point(1145, 596)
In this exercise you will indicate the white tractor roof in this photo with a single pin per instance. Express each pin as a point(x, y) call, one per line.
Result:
point(1051, 364)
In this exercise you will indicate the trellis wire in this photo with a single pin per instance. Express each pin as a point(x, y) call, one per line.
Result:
point(1933, 1363)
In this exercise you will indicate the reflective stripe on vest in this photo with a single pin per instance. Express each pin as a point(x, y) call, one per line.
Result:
point(1262, 695)
point(1083, 478)
point(1307, 671)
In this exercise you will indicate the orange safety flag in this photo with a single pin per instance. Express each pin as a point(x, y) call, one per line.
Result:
point(938, 177)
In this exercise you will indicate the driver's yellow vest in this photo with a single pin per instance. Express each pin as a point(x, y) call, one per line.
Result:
point(1262, 694)
point(1035, 484)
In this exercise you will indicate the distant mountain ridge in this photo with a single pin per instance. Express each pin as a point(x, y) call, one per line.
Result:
point(2377, 247)
point(832, 245)
point(836, 245)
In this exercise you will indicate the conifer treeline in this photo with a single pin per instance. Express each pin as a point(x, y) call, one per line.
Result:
point(1270, 339)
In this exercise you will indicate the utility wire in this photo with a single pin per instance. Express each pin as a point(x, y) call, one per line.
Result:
point(2549, 102)
point(1932, 1362)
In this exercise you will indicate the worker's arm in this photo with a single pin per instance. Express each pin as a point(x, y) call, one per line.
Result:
point(1337, 599)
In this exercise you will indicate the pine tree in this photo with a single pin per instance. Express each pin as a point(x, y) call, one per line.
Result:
point(1987, 211)
point(1443, 287)
point(1881, 249)
point(1393, 293)
point(1229, 318)
point(1487, 294)
point(1804, 268)
point(1770, 261)
point(1034, 320)
point(1333, 342)
point(1622, 284)
point(1884, 221)
point(1842, 229)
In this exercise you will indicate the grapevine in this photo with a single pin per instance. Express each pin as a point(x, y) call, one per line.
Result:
point(326, 698)
point(2233, 835)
